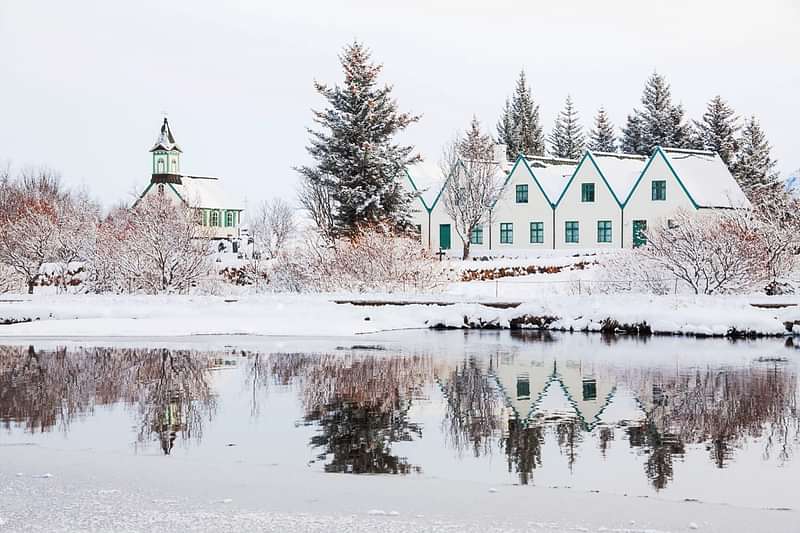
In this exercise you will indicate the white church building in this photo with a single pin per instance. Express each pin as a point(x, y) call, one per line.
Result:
point(602, 200)
point(206, 195)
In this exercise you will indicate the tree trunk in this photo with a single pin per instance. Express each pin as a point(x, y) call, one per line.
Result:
point(465, 254)
point(30, 286)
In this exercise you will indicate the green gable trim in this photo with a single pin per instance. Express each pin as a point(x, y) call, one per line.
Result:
point(521, 159)
point(659, 151)
point(588, 155)
point(416, 190)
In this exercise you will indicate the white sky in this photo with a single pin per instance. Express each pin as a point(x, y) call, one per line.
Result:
point(83, 83)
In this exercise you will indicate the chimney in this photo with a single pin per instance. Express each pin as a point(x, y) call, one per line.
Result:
point(500, 153)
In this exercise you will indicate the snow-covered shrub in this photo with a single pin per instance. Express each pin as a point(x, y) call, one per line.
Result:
point(155, 247)
point(376, 259)
point(725, 251)
point(42, 223)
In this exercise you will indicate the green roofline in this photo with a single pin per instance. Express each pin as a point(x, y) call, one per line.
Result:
point(658, 151)
point(588, 155)
point(521, 158)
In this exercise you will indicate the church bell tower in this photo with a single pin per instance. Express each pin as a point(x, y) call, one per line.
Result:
point(166, 157)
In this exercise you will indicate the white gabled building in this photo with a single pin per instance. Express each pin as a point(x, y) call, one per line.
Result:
point(602, 200)
point(205, 195)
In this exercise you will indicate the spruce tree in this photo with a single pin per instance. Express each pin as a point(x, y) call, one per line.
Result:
point(475, 144)
point(519, 128)
point(357, 162)
point(567, 139)
point(632, 141)
point(659, 123)
point(505, 131)
point(717, 129)
point(754, 168)
point(602, 137)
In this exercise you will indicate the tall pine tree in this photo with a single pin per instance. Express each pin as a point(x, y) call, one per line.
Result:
point(754, 168)
point(567, 139)
point(602, 137)
point(658, 123)
point(357, 162)
point(519, 128)
point(717, 129)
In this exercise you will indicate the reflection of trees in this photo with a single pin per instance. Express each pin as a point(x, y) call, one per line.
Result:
point(170, 389)
point(360, 404)
point(523, 447)
point(472, 416)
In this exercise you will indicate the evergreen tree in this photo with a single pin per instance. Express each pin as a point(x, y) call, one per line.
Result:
point(602, 137)
point(567, 139)
point(475, 144)
point(754, 168)
point(356, 161)
point(632, 141)
point(717, 130)
point(659, 123)
point(520, 128)
point(505, 131)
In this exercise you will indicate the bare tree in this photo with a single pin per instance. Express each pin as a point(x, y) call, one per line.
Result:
point(472, 182)
point(271, 226)
point(720, 252)
point(318, 202)
point(154, 247)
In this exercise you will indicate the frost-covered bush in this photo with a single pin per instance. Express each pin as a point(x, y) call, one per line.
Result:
point(155, 247)
point(716, 252)
point(376, 259)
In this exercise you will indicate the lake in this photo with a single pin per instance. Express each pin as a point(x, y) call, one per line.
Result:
point(132, 430)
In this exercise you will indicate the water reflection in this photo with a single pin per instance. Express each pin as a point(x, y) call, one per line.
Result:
point(168, 390)
point(361, 404)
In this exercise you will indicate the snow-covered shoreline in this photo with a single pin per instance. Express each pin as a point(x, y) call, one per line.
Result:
point(318, 315)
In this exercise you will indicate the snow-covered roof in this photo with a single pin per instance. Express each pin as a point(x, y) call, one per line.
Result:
point(552, 174)
point(620, 170)
point(706, 178)
point(204, 193)
point(429, 179)
point(165, 141)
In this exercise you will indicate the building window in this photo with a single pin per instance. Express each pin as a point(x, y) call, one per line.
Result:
point(672, 224)
point(213, 219)
point(587, 192)
point(659, 189)
point(589, 389)
point(160, 166)
point(506, 233)
point(571, 231)
point(537, 232)
point(230, 219)
point(523, 387)
point(603, 231)
point(161, 189)
point(522, 194)
point(476, 235)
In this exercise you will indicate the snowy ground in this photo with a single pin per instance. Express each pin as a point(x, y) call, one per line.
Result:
point(318, 315)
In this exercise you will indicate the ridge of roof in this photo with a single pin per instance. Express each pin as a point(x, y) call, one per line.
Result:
point(688, 151)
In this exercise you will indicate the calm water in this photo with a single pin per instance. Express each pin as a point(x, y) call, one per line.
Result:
point(681, 418)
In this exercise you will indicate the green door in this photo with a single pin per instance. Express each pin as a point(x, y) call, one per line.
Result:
point(444, 236)
point(639, 227)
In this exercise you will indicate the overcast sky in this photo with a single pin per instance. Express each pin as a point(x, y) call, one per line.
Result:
point(83, 84)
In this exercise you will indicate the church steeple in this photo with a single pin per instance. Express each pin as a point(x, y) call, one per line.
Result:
point(166, 152)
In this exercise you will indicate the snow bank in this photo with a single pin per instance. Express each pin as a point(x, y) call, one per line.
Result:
point(318, 315)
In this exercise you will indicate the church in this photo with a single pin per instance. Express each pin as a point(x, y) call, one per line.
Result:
point(206, 195)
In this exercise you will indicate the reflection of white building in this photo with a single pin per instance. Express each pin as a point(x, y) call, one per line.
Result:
point(542, 389)
point(206, 195)
point(601, 200)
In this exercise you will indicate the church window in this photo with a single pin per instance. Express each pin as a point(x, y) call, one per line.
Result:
point(161, 189)
point(230, 218)
point(214, 218)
